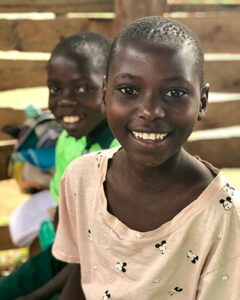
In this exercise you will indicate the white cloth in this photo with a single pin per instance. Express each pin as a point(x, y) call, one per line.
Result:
point(26, 220)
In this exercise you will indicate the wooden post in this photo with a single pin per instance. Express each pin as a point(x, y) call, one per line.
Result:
point(126, 11)
point(5, 241)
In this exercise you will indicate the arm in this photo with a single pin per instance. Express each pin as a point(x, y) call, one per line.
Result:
point(52, 287)
point(72, 289)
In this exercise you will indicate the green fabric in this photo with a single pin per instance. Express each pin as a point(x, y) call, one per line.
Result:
point(103, 140)
point(56, 297)
point(114, 143)
point(69, 148)
point(47, 234)
point(37, 271)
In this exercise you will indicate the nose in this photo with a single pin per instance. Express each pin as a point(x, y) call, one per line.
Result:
point(151, 108)
point(64, 102)
point(67, 97)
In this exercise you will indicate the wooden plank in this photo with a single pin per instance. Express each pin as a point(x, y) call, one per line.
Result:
point(217, 33)
point(203, 7)
point(130, 10)
point(5, 240)
point(5, 153)
point(223, 76)
point(222, 153)
point(57, 6)
point(34, 248)
point(220, 114)
point(43, 35)
point(10, 116)
point(20, 74)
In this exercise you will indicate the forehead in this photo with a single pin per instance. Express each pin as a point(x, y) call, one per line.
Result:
point(142, 59)
point(62, 63)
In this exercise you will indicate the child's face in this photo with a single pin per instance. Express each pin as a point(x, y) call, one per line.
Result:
point(74, 94)
point(153, 100)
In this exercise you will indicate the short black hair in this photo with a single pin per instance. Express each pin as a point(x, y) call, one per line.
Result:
point(157, 29)
point(91, 44)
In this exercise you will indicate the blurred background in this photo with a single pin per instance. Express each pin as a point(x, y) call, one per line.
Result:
point(29, 30)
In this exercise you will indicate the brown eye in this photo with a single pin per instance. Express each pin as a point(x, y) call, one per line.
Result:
point(54, 89)
point(176, 93)
point(82, 89)
point(128, 91)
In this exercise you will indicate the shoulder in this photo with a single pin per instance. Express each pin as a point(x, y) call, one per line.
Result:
point(224, 217)
point(66, 141)
point(223, 201)
point(61, 139)
point(91, 162)
point(231, 199)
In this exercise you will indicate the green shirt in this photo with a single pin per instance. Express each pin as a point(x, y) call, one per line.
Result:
point(69, 148)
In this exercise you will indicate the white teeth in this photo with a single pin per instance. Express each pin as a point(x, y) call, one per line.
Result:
point(152, 136)
point(70, 119)
point(149, 136)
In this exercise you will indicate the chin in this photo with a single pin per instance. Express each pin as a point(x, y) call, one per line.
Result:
point(74, 134)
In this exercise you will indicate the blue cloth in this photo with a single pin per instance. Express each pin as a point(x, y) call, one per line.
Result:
point(43, 158)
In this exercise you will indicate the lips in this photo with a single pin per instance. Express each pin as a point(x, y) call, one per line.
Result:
point(149, 136)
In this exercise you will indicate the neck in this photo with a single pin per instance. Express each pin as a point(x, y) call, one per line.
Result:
point(156, 177)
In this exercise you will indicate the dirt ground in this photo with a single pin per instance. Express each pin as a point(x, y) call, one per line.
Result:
point(10, 198)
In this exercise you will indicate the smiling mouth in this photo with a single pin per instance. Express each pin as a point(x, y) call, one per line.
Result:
point(71, 119)
point(149, 136)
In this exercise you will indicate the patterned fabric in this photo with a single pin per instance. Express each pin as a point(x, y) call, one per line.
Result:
point(196, 255)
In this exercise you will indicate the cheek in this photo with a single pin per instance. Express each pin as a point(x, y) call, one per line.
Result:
point(115, 113)
point(91, 106)
point(116, 108)
point(184, 115)
point(52, 104)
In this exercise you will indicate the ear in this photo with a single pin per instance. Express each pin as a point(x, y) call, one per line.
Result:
point(203, 102)
point(103, 100)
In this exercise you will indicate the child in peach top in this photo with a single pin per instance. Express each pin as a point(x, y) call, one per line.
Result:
point(149, 221)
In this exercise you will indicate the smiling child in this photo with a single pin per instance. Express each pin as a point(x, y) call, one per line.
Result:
point(75, 76)
point(148, 220)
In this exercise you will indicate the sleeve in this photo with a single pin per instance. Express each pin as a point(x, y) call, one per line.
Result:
point(222, 283)
point(55, 182)
point(65, 245)
point(114, 143)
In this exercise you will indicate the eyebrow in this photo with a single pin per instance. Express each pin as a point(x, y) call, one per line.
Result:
point(127, 76)
point(177, 78)
point(166, 80)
